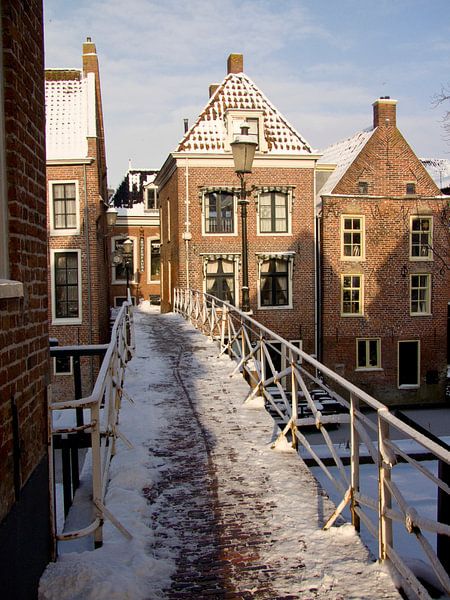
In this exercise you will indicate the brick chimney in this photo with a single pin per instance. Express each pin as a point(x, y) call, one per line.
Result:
point(235, 63)
point(212, 88)
point(385, 112)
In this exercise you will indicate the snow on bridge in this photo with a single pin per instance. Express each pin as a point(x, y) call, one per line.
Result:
point(213, 510)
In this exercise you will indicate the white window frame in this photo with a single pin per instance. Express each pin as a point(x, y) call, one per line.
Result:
point(63, 374)
point(290, 199)
point(149, 259)
point(430, 238)
point(205, 233)
point(362, 230)
point(68, 230)
point(168, 220)
point(232, 257)
point(428, 294)
point(361, 295)
point(150, 189)
point(64, 320)
point(376, 367)
point(408, 386)
point(241, 115)
point(289, 257)
point(134, 239)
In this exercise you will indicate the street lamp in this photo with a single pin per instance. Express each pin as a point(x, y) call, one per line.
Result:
point(111, 216)
point(127, 247)
point(243, 149)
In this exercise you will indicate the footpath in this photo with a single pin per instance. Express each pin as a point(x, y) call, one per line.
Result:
point(224, 515)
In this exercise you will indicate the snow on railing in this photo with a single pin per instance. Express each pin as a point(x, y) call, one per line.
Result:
point(304, 395)
point(102, 409)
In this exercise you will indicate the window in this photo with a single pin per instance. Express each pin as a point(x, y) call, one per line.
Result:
point(154, 261)
point(151, 197)
point(410, 189)
point(253, 128)
point(352, 239)
point(409, 364)
point(421, 238)
point(119, 300)
point(219, 212)
point(62, 365)
point(363, 187)
point(420, 294)
point(368, 353)
point(220, 279)
point(119, 270)
point(351, 297)
point(275, 282)
point(64, 207)
point(66, 286)
point(273, 212)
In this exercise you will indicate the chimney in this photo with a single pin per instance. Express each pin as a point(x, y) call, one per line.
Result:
point(212, 88)
point(385, 112)
point(235, 63)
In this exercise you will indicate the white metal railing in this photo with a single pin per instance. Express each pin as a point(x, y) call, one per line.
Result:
point(103, 407)
point(293, 392)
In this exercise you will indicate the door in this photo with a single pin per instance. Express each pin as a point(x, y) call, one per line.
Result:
point(408, 363)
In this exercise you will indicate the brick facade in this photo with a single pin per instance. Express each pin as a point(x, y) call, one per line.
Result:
point(24, 362)
point(386, 164)
point(88, 173)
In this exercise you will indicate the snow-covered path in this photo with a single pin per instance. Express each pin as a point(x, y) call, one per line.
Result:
point(216, 513)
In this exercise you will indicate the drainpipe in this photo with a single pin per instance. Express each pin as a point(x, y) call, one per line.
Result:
point(187, 235)
point(88, 270)
point(316, 274)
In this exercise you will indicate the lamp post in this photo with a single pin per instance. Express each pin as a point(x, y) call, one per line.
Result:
point(243, 153)
point(127, 246)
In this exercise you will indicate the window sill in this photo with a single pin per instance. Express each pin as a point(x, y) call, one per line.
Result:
point(67, 321)
point(368, 369)
point(409, 386)
point(421, 314)
point(10, 289)
point(284, 307)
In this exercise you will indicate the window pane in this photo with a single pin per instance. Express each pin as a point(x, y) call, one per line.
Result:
point(361, 349)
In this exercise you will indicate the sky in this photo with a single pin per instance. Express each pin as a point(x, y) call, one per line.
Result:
point(322, 63)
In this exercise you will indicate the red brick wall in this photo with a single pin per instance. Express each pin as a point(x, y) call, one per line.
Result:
point(23, 322)
point(294, 323)
point(387, 163)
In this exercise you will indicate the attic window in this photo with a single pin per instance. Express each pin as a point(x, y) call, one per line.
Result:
point(253, 119)
point(410, 189)
point(253, 128)
point(363, 187)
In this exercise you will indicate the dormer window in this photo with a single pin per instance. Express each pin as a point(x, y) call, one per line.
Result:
point(253, 119)
point(363, 187)
point(151, 197)
point(410, 189)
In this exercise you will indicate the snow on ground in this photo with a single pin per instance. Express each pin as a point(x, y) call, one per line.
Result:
point(269, 496)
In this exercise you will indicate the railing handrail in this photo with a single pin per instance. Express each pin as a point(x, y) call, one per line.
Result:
point(106, 394)
point(248, 342)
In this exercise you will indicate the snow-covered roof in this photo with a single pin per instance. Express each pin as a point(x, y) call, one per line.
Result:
point(439, 170)
point(70, 115)
point(342, 154)
point(238, 92)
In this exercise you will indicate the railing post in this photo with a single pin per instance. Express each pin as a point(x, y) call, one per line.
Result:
point(294, 400)
point(384, 495)
point(354, 461)
point(96, 473)
point(223, 327)
point(262, 364)
point(243, 349)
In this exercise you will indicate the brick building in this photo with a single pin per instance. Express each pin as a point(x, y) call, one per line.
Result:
point(77, 201)
point(384, 264)
point(136, 202)
point(24, 363)
point(200, 218)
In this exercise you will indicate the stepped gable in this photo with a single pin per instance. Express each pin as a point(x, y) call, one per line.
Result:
point(342, 154)
point(67, 105)
point(238, 92)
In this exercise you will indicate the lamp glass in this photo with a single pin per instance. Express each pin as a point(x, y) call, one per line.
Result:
point(243, 153)
point(111, 216)
point(127, 247)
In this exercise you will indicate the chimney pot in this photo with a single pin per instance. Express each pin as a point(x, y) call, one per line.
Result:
point(235, 63)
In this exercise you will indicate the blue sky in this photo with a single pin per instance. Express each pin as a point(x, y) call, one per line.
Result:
point(322, 63)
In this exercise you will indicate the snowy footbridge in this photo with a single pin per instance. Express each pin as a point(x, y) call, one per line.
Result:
point(214, 511)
